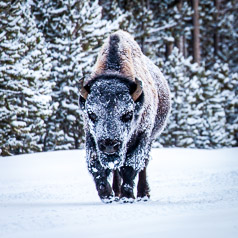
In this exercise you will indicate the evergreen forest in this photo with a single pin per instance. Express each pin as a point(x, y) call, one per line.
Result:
point(46, 46)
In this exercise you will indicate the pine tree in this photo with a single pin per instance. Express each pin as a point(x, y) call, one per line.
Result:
point(231, 108)
point(207, 28)
point(74, 31)
point(213, 132)
point(184, 120)
point(171, 22)
point(133, 16)
point(219, 32)
point(140, 23)
point(229, 91)
point(24, 89)
point(112, 12)
point(228, 30)
point(59, 22)
point(92, 30)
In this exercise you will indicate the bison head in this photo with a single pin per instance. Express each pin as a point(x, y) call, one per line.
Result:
point(111, 107)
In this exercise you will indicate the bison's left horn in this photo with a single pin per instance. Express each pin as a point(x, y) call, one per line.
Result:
point(136, 94)
point(82, 90)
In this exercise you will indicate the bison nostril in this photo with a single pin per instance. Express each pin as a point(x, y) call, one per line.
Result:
point(116, 146)
point(109, 146)
point(101, 146)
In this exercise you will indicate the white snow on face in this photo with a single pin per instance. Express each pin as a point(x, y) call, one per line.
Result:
point(110, 114)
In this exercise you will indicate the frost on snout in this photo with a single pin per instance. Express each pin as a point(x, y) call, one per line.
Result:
point(110, 110)
point(109, 146)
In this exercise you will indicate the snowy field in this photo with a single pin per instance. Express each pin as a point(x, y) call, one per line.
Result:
point(194, 193)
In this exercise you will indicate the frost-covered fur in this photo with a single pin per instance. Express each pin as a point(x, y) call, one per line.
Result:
point(120, 131)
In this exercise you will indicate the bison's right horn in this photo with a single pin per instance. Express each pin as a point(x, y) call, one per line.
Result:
point(82, 90)
point(136, 94)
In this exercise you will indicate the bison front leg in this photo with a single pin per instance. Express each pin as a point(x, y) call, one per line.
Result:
point(128, 175)
point(100, 176)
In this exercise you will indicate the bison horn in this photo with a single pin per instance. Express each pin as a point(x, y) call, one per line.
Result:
point(136, 94)
point(82, 90)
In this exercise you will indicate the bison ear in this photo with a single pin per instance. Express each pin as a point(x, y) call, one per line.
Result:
point(82, 90)
point(138, 91)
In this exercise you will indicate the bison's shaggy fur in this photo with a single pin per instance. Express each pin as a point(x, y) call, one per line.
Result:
point(126, 102)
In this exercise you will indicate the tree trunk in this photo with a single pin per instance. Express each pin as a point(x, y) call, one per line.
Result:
point(142, 39)
point(148, 4)
point(216, 32)
point(169, 48)
point(196, 33)
point(179, 41)
point(185, 50)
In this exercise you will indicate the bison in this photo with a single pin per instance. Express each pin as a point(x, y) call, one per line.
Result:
point(125, 104)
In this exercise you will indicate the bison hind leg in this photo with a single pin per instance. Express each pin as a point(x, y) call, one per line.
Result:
point(143, 189)
point(116, 184)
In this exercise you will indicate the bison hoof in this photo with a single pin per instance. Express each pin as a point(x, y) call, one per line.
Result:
point(143, 199)
point(127, 200)
point(108, 199)
point(143, 195)
point(127, 193)
point(105, 191)
point(116, 198)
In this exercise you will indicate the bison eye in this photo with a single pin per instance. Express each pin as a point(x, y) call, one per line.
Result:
point(92, 116)
point(127, 117)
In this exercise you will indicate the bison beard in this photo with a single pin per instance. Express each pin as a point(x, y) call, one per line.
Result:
point(125, 103)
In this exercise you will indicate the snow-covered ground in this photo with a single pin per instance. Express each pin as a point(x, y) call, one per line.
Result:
point(194, 193)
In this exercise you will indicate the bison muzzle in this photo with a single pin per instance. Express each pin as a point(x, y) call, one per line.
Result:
point(125, 104)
